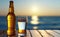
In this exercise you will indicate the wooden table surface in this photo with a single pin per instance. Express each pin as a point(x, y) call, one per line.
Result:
point(43, 33)
point(37, 33)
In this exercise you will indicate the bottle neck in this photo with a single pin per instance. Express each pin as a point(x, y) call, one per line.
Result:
point(11, 7)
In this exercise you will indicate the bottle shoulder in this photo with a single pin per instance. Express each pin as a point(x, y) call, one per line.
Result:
point(11, 14)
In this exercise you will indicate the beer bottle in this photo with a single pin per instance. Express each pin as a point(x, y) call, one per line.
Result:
point(11, 19)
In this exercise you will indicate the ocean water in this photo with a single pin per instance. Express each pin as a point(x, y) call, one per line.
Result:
point(45, 22)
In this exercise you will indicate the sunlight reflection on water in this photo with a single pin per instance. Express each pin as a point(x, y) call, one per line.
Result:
point(34, 20)
point(35, 27)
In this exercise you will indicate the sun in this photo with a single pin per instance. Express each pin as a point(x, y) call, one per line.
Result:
point(34, 9)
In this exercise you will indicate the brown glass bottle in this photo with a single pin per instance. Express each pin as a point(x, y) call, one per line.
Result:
point(11, 19)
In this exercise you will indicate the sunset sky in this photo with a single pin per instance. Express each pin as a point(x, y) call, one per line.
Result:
point(32, 7)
